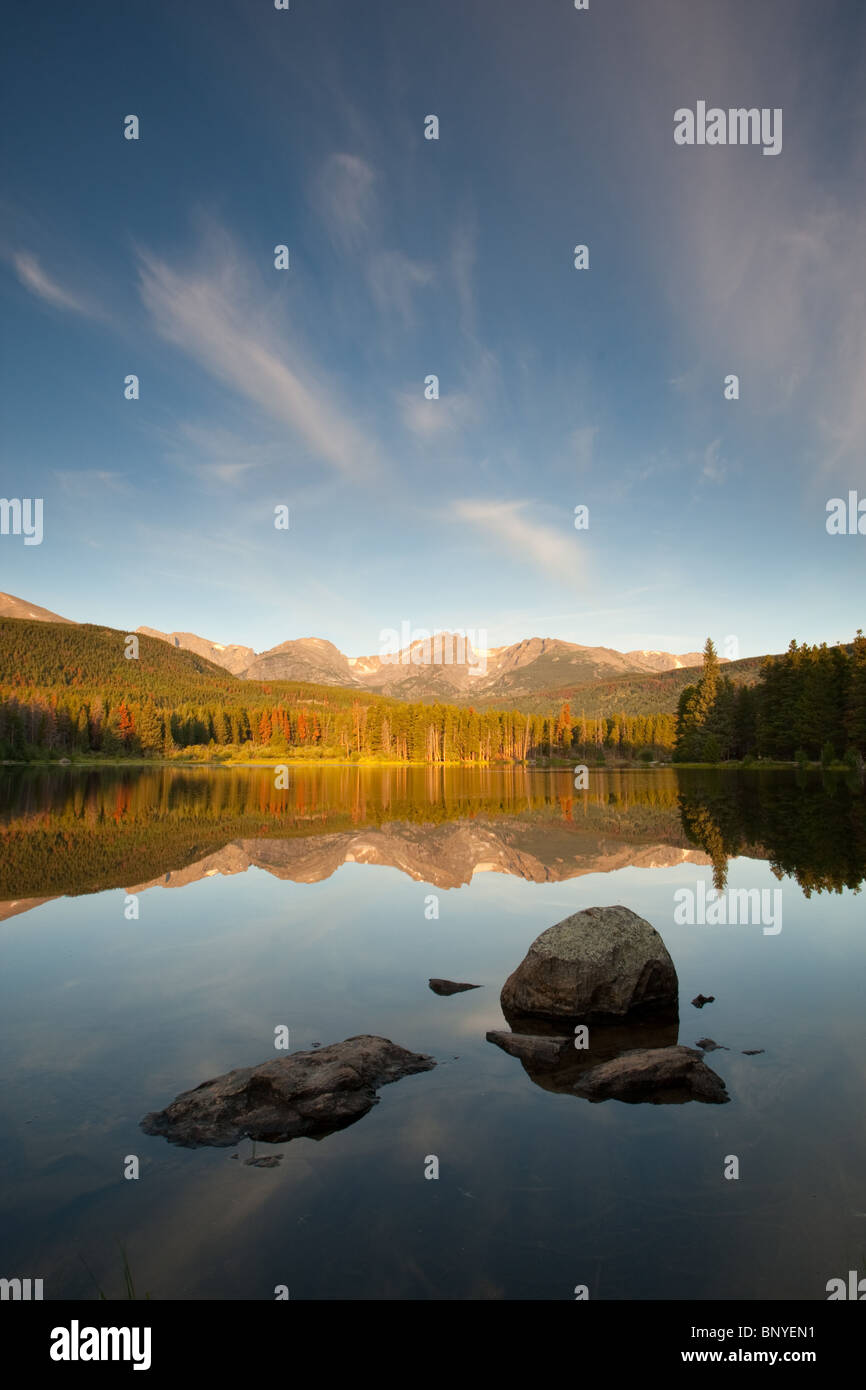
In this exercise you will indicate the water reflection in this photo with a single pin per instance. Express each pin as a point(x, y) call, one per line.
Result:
point(560, 1071)
point(66, 831)
point(809, 826)
point(103, 1021)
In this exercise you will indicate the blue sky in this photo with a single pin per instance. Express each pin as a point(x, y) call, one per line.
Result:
point(408, 257)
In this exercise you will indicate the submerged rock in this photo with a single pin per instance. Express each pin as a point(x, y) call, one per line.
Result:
point(449, 987)
point(752, 1051)
point(532, 1048)
point(707, 1045)
point(661, 1075)
point(554, 1063)
point(701, 999)
point(307, 1093)
point(602, 963)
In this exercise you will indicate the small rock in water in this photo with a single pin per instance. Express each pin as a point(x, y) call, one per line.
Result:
point(309, 1094)
point(530, 1048)
point(661, 1075)
point(272, 1161)
point(449, 987)
point(752, 1051)
point(701, 999)
point(709, 1046)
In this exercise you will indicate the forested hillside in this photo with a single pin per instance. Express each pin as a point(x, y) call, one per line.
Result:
point(71, 690)
point(809, 703)
point(656, 693)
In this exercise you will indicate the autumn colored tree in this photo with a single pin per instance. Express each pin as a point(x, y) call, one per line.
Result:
point(563, 728)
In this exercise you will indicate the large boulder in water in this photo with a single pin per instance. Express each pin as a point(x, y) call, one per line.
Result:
point(307, 1093)
point(604, 963)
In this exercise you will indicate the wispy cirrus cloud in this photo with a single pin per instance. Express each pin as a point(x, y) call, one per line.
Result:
point(714, 469)
point(39, 282)
point(394, 278)
point(546, 548)
point(430, 419)
point(344, 195)
point(457, 409)
point(218, 313)
point(763, 267)
point(84, 481)
point(220, 454)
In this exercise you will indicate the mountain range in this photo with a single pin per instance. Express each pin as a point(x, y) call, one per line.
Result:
point(445, 667)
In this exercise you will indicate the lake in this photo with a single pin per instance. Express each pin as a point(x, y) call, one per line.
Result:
point(326, 908)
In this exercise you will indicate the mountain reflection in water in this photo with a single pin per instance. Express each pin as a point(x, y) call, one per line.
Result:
point(67, 831)
point(104, 1020)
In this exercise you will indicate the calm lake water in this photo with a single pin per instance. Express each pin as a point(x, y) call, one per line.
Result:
point(310, 907)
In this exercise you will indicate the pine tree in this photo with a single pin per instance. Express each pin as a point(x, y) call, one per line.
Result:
point(708, 684)
point(111, 742)
point(855, 703)
point(82, 730)
point(687, 735)
point(168, 744)
point(150, 730)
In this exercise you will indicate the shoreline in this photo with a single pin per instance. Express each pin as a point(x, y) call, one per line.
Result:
point(733, 765)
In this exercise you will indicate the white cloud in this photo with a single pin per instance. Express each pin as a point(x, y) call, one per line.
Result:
point(344, 193)
point(393, 278)
point(35, 279)
point(429, 419)
point(546, 547)
point(345, 198)
point(761, 259)
point(214, 452)
point(224, 321)
point(455, 410)
point(713, 468)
